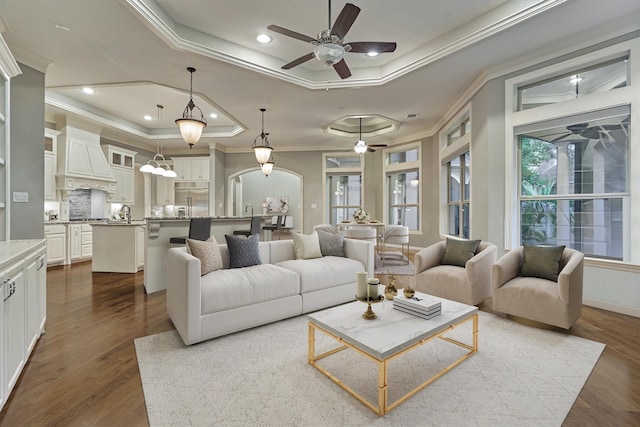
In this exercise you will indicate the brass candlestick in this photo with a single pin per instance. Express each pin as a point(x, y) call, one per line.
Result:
point(369, 314)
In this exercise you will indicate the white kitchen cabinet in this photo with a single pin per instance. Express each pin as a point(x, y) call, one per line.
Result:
point(86, 241)
point(36, 296)
point(124, 185)
point(49, 176)
point(191, 168)
point(56, 235)
point(22, 307)
point(140, 246)
point(164, 191)
point(14, 332)
point(75, 241)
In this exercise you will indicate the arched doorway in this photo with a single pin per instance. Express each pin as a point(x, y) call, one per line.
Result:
point(249, 188)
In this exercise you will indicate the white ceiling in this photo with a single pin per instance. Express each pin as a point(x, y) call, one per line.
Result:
point(134, 53)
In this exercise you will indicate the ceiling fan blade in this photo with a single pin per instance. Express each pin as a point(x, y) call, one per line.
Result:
point(377, 145)
point(298, 61)
point(345, 20)
point(290, 33)
point(342, 69)
point(371, 150)
point(365, 47)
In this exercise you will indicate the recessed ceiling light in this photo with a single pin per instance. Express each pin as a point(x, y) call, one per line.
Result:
point(88, 90)
point(263, 38)
point(147, 117)
point(412, 115)
point(373, 53)
point(213, 115)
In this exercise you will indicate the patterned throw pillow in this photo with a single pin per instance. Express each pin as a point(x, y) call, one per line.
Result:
point(331, 244)
point(458, 252)
point(542, 262)
point(306, 246)
point(207, 252)
point(243, 251)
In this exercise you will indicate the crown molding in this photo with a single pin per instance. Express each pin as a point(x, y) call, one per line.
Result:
point(8, 65)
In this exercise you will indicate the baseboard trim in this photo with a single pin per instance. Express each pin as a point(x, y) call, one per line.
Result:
point(610, 306)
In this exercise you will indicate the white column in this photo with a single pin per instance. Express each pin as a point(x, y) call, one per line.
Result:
point(213, 211)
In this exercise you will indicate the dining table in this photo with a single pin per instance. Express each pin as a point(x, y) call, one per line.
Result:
point(378, 225)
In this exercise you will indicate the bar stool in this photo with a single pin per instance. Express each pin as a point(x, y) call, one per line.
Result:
point(275, 226)
point(256, 221)
point(199, 229)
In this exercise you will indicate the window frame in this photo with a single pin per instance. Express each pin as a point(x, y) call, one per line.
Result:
point(584, 105)
point(448, 152)
point(396, 168)
point(339, 171)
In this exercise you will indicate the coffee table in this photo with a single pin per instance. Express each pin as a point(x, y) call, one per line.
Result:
point(391, 335)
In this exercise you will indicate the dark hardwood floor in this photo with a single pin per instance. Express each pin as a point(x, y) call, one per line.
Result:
point(83, 371)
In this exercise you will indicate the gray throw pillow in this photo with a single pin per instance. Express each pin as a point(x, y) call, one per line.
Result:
point(331, 244)
point(458, 252)
point(243, 251)
point(542, 262)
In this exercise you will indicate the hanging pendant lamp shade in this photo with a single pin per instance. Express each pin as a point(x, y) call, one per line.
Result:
point(190, 126)
point(361, 146)
point(158, 165)
point(261, 148)
point(267, 167)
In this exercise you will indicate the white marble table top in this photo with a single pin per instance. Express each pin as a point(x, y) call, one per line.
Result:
point(393, 330)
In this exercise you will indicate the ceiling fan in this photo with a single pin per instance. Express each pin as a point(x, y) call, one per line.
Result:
point(330, 46)
point(361, 147)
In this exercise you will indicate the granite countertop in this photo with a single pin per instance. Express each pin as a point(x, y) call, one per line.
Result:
point(119, 223)
point(213, 218)
point(9, 249)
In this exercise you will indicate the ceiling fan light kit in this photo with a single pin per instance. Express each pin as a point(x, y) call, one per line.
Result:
point(330, 46)
point(191, 127)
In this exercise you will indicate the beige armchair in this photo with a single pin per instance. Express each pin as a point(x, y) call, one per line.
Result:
point(554, 303)
point(470, 284)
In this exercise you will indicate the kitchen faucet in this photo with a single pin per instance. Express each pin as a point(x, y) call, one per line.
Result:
point(247, 207)
point(127, 213)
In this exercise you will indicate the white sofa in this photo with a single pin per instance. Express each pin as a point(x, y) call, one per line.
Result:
point(233, 299)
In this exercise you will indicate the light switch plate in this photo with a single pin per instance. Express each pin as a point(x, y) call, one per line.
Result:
point(20, 197)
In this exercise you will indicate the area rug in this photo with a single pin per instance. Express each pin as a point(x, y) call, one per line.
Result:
point(396, 266)
point(520, 376)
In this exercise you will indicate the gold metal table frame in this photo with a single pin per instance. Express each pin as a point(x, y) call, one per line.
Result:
point(384, 406)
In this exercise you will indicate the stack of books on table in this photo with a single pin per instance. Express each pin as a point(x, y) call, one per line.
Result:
point(426, 308)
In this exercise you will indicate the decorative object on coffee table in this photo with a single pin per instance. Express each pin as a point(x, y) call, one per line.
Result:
point(391, 290)
point(369, 314)
point(409, 292)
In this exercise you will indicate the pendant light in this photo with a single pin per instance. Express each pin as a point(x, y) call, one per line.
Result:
point(361, 146)
point(262, 149)
point(158, 165)
point(267, 167)
point(190, 127)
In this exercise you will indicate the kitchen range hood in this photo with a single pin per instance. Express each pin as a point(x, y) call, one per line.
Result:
point(81, 161)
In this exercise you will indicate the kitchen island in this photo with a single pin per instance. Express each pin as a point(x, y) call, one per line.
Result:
point(160, 230)
point(118, 246)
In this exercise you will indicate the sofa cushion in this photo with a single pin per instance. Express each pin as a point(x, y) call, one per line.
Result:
point(207, 252)
point(226, 289)
point(458, 252)
point(243, 251)
point(542, 262)
point(331, 244)
point(306, 246)
point(325, 272)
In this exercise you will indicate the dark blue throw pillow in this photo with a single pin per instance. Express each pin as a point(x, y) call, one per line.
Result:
point(243, 251)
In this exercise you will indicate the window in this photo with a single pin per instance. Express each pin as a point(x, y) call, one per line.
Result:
point(571, 183)
point(459, 195)
point(402, 184)
point(455, 176)
point(344, 196)
point(343, 186)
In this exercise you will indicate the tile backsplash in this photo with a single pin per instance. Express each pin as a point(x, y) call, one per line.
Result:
point(85, 203)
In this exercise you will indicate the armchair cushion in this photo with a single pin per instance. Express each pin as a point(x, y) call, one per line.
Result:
point(243, 251)
point(458, 252)
point(542, 262)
